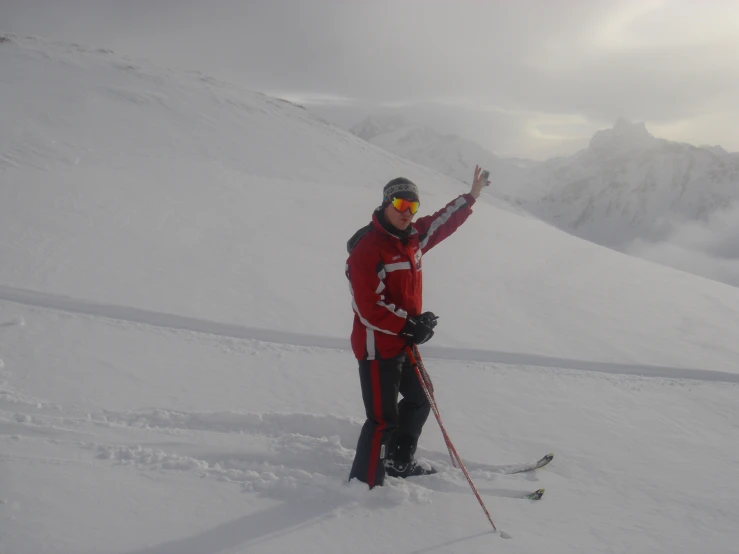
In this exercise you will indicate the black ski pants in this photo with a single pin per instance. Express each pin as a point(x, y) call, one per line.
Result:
point(392, 428)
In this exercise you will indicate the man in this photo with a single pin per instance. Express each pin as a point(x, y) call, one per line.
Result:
point(384, 272)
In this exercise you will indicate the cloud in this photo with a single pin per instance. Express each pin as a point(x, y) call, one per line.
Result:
point(707, 248)
point(515, 65)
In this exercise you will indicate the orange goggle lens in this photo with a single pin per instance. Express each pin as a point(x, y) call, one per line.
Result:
point(401, 204)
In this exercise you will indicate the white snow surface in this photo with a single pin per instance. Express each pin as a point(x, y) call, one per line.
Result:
point(174, 366)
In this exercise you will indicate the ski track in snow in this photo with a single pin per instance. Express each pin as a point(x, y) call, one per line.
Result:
point(196, 325)
point(283, 456)
point(286, 457)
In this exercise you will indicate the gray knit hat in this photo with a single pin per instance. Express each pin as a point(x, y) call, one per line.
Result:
point(402, 188)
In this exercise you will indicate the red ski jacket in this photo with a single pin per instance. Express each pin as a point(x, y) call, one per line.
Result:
point(384, 272)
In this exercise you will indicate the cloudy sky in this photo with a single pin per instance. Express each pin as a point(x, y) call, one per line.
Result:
point(528, 78)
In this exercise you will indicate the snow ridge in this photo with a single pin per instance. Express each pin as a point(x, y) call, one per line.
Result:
point(196, 325)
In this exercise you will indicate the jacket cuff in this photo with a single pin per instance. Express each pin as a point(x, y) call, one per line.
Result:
point(470, 199)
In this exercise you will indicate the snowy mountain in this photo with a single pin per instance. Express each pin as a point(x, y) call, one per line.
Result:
point(630, 191)
point(175, 374)
point(630, 185)
point(451, 155)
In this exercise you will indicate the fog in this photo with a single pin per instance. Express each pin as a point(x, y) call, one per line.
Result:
point(527, 78)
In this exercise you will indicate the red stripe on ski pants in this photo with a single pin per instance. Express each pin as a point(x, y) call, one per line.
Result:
point(390, 424)
point(381, 423)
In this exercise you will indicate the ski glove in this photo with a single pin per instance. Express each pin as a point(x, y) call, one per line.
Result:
point(419, 329)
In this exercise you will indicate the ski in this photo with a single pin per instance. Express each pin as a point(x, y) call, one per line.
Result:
point(536, 495)
point(522, 468)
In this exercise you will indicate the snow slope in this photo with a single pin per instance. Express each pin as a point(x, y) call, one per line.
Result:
point(174, 369)
point(135, 186)
point(144, 440)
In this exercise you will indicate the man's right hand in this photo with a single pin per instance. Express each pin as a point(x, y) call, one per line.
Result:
point(478, 182)
point(419, 329)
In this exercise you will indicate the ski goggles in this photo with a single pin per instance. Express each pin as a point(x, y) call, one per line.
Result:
point(403, 204)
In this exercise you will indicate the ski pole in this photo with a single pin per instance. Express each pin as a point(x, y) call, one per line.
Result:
point(425, 378)
point(415, 358)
